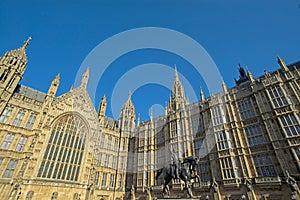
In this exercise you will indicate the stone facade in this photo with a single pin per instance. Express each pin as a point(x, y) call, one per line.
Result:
point(56, 147)
point(60, 147)
point(247, 138)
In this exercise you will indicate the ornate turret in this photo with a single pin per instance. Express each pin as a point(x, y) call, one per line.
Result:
point(54, 86)
point(282, 64)
point(12, 68)
point(127, 115)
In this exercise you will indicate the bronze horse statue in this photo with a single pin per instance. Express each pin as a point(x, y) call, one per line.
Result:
point(182, 171)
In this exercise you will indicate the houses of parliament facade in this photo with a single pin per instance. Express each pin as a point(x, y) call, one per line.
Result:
point(60, 147)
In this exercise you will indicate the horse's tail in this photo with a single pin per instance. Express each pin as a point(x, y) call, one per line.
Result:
point(158, 173)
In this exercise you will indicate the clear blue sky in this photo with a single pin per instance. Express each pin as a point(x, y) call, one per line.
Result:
point(64, 32)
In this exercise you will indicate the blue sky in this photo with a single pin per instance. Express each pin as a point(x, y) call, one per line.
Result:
point(252, 33)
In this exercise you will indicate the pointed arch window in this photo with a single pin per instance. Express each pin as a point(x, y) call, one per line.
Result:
point(5, 114)
point(65, 149)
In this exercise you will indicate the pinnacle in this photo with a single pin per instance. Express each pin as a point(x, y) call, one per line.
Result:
point(20, 53)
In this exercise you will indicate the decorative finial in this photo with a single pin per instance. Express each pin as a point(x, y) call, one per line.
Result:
point(139, 119)
point(250, 75)
point(151, 114)
point(224, 86)
point(129, 95)
point(202, 94)
point(175, 73)
point(25, 44)
point(282, 63)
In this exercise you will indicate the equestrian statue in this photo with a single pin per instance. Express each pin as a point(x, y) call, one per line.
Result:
point(184, 171)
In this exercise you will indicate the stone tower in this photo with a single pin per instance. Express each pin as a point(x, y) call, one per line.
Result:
point(176, 129)
point(12, 68)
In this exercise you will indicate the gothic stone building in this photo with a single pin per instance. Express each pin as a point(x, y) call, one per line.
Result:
point(59, 147)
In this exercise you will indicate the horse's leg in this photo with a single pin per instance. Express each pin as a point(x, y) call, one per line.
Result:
point(164, 188)
point(190, 193)
point(168, 179)
point(199, 180)
point(187, 186)
point(168, 190)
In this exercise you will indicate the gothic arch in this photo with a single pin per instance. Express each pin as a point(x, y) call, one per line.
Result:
point(77, 114)
point(65, 148)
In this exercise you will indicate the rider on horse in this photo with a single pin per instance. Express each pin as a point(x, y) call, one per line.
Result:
point(193, 161)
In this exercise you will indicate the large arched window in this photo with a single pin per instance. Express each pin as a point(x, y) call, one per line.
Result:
point(65, 148)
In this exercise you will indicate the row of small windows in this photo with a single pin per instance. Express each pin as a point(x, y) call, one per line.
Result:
point(246, 109)
point(254, 135)
point(229, 168)
point(277, 96)
point(142, 179)
point(175, 129)
point(144, 159)
point(8, 173)
point(108, 180)
point(64, 152)
point(107, 160)
point(223, 140)
point(217, 113)
point(290, 125)
point(9, 139)
point(18, 118)
point(264, 166)
point(12, 164)
point(111, 144)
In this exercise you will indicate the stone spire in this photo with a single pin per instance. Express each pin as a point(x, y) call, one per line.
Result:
point(177, 89)
point(20, 53)
point(54, 86)
point(178, 100)
point(282, 64)
point(102, 106)
point(85, 78)
point(26, 42)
